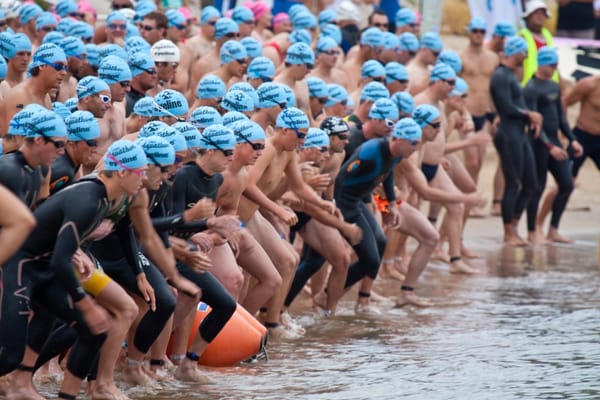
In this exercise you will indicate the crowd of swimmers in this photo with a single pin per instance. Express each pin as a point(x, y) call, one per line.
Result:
point(156, 159)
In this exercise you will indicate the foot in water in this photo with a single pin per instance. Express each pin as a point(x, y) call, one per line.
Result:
point(107, 392)
point(320, 305)
point(406, 298)
point(188, 371)
point(388, 270)
point(134, 374)
point(458, 266)
point(556, 237)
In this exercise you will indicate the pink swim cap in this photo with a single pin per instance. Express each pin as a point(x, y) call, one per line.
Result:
point(86, 7)
point(258, 8)
point(186, 13)
point(280, 18)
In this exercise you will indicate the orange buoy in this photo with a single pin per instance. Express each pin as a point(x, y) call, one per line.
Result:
point(241, 338)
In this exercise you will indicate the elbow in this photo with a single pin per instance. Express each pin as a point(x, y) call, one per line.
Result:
point(29, 222)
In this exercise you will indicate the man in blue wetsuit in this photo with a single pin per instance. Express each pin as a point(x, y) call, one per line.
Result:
point(371, 164)
point(516, 156)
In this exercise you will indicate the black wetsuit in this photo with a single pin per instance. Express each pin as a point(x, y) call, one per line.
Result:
point(369, 165)
point(132, 97)
point(20, 178)
point(544, 97)
point(191, 185)
point(63, 173)
point(514, 149)
point(42, 272)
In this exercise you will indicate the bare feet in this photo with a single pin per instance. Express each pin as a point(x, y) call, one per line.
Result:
point(514, 240)
point(536, 238)
point(440, 255)
point(291, 324)
point(107, 392)
point(410, 298)
point(280, 333)
point(466, 253)
point(320, 305)
point(460, 267)
point(21, 387)
point(388, 270)
point(188, 371)
point(133, 373)
point(554, 236)
point(365, 308)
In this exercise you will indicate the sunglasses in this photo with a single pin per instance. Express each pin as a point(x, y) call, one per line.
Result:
point(120, 6)
point(57, 67)
point(251, 22)
point(323, 149)
point(163, 168)
point(180, 27)
point(125, 84)
point(46, 28)
point(403, 81)
point(2, 24)
point(343, 136)
point(226, 152)
point(104, 98)
point(165, 64)
point(481, 31)
point(412, 53)
point(331, 52)
point(309, 66)
point(139, 172)
point(379, 79)
point(435, 53)
point(57, 144)
point(77, 15)
point(381, 25)
point(450, 82)
point(114, 27)
point(242, 61)
point(231, 35)
point(265, 78)
point(211, 23)
point(388, 122)
point(255, 146)
point(414, 143)
point(435, 125)
point(148, 28)
point(151, 71)
point(322, 100)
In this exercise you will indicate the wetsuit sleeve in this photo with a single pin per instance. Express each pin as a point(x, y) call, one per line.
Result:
point(11, 178)
point(501, 92)
point(179, 191)
point(127, 238)
point(531, 96)
point(563, 122)
point(363, 166)
point(175, 223)
point(388, 187)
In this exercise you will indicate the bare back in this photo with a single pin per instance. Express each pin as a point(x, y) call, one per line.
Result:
point(587, 92)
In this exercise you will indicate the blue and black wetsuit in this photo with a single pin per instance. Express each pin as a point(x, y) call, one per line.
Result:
point(20, 178)
point(544, 97)
point(514, 149)
point(63, 173)
point(42, 272)
point(371, 164)
point(191, 185)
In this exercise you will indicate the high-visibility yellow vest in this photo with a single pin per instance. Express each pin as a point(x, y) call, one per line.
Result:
point(530, 64)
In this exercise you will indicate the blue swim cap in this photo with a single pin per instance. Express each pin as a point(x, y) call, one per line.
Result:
point(65, 7)
point(248, 89)
point(407, 129)
point(236, 100)
point(409, 42)
point(231, 51)
point(151, 128)
point(372, 37)
point(128, 154)
point(373, 91)
point(22, 42)
point(170, 103)
point(383, 109)
point(189, 132)
point(317, 87)
point(477, 23)
point(241, 15)
point(45, 19)
point(71, 103)
point(208, 13)
point(232, 117)
point(404, 101)
point(62, 110)
point(293, 118)
point(390, 41)
point(93, 52)
point(132, 31)
point(225, 26)
point(205, 116)
point(515, 45)
point(247, 131)
point(115, 16)
point(29, 12)
point(337, 94)
point(217, 135)
point(112, 49)
point(81, 30)
point(460, 87)
point(296, 9)
point(300, 53)
point(327, 16)
point(372, 69)
point(73, 47)
point(547, 56)
point(210, 87)
point(252, 46)
point(395, 71)
point(3, 68)
point(46, 54)
point(90, 85)
point(144, 107)
point(176, 19)
point(19, 124)
point(158, 150)
point(7, 45)
point(432, 41)
point(315, 137)
point(53, 37)
point(82, 125)
point(504, 29)
point(261, 67)
point(304, 20)
point(325, 44)
point(136, 44)
point(114, 70)
point(270, 95)
point(47, 122)
point(140, 62)
point(425, 114)
point(173, 136)
point(142, 9)
point(441, 71)
point(405, 16)
point(451, 58)
point(65, 25)
point(332, 31)
point(300, 36)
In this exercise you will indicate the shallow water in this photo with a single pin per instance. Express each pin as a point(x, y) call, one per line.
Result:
point(527, 327)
